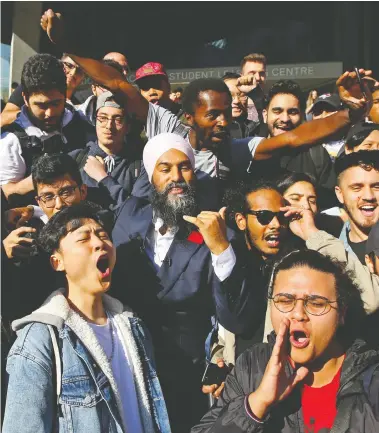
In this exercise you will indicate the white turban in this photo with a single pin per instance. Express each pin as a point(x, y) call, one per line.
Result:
point(159, 145)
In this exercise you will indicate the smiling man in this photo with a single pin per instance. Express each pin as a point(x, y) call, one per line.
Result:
point(358, 191)
point(313, 375)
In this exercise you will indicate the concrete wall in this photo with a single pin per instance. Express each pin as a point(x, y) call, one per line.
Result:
point(25, 36)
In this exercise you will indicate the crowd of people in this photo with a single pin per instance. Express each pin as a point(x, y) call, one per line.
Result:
point(235, 231)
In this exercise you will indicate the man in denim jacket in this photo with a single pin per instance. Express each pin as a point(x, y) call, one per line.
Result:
point(84, 341)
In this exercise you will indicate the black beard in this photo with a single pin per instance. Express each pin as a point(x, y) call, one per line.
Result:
point(172, 211)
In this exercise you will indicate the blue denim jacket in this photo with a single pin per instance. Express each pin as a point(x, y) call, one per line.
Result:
point(87, 403)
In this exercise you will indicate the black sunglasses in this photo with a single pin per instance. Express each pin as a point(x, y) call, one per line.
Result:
point(264, 217)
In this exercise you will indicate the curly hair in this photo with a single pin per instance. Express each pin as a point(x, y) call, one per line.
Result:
point(366, 159)
point(42, 73)
point(286, 87)
point(348, 293)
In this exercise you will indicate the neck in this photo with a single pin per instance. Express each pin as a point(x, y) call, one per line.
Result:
point(356, 234)
point(322, 371)
point(114, 150)
point(89, 306)
point(193, 140)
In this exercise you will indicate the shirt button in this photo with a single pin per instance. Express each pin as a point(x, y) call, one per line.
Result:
point(87, 399)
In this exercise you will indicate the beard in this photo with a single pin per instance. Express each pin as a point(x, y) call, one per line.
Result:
point(172, 208)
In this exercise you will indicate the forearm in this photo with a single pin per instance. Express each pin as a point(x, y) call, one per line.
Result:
point(113, 80)
point(22, 187)
point(307, 134)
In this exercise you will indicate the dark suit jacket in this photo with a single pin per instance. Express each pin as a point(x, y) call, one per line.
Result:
point(178, 300)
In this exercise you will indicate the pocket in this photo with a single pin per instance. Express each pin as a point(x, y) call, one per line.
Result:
point(83, 391)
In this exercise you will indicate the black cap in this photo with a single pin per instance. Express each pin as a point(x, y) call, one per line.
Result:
point(366, 127)
point(331, 99)
point(372, 243)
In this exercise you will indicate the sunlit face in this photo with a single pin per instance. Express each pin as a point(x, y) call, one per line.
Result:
point(211, 119)
point(171, 168)
point(155, 89)
point(266, 238)
point(68, 192)
point(283, 114)
point(371, 142)
point(87, 257)
point(74, 74)
point(46, 109)
point(310, 337)
point(239, 99)
point(111, 127)
point(358, 191)
point(374, 112)
point(302, 194)
point(257, 69)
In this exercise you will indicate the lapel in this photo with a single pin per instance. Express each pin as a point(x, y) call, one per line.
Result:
point(176, 261)
point(141, 223)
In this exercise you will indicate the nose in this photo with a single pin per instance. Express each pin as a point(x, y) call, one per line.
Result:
point(368, 194)
point(298, 313)
point(97, 243)
point(284, 117)
point(257, 77)
point(275, 223)
point(59, 203)
point(48, 112)
point(304, 203)
point(176, 175)
point(222, 120)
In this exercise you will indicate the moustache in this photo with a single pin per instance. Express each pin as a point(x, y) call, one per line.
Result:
point(172, 185)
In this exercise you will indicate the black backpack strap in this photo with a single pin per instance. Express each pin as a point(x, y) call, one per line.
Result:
point(25, 140)
point(81, 157)
point(135, 168)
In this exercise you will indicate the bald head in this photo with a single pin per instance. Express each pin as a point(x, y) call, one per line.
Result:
point(120, 59)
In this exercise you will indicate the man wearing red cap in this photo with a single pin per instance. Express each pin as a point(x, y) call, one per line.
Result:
point(153, 83)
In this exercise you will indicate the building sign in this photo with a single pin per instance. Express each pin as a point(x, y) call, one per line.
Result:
point(274, 72)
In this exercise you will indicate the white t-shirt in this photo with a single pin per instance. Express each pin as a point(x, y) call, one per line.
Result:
point(123, 373)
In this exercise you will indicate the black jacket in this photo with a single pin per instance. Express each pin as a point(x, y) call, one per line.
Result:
point(357, 410)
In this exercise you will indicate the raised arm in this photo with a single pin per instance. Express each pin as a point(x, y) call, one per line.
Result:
point(102, 74)
point(316, 131)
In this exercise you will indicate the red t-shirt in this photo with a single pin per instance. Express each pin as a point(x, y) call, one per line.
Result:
point(319, 406)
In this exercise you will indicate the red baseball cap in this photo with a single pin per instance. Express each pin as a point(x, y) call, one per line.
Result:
point(149, 69)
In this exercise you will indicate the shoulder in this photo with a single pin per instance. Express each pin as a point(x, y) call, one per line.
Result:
point(133, 205)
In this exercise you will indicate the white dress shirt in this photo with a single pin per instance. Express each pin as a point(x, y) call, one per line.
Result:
point(158, 245)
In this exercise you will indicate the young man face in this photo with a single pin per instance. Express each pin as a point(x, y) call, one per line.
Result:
point(267, 237)
point(65, 188)
point(358, 191)
point(87, 256)
point(111, 127)
point(257, 69)
point(239, 99)
point(283, 114)
point(155, 89)
point(310, 336)
point(74, 74)
point(374, 112)
point(46, 109)
point(211, 119)
point(371, 142)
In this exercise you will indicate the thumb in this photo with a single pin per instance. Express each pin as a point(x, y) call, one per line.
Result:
point(301, 373)
point(222, 212)
point(22, 221)
point(99, 158)
point(192, 220)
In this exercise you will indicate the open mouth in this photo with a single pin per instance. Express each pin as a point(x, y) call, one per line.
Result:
point(283, 128)
point(299, 339)
point(273, 240)
point(368, 210)
point(103, 266)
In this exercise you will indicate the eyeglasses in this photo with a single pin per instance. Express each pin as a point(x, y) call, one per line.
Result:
point(71, 66)
point(264, 217)
point(117, 120)
point(67, 195)
point(240, 96)
point(315, 305)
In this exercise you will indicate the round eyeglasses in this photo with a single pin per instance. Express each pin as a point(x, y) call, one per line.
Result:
point(315, 305)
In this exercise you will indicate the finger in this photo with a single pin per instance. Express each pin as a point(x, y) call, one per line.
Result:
point(280, 338)
point(23, 219)
point(209, 389)
point(299, 376)
point(218, 391)
point(193, 220)
point(221, 363)
point(24, 229)
point(100, 159)
point(222, 212)
point(25, 241)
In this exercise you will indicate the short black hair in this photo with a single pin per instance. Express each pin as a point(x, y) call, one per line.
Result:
point(235, 198)
point(348, 293)
point(178, 89)
point(42, 73)
point(286, 87)
point(358, 133)
point(366, 159)
point(14, 84)
point(48, 168)
point(230, 76)
point(195, 87)
point(291, 178)
point(67, 220)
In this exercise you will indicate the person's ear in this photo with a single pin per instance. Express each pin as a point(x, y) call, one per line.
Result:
point(240, 221)
point(264, 115)
point(25, 99)
point(189, 119)
point(83, 191)
point(56, 262)
point(369, 264)
point(339, 194)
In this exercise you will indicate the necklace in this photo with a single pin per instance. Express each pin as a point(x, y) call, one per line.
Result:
point(112, 340)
